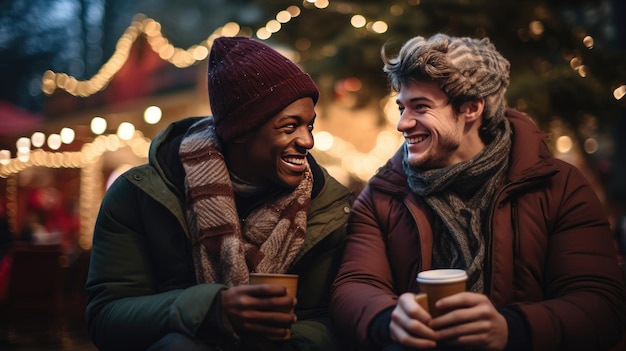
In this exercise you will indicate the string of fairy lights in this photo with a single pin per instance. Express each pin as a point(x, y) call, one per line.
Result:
point(362, 165)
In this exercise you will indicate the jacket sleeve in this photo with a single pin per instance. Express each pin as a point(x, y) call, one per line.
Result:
point(125, 310)
point(364, 286)
point(584, 299)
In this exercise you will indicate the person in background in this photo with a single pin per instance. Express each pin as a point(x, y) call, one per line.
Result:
point(475, 187)
point(36, 232)
point(220, 197)
point(43, 220)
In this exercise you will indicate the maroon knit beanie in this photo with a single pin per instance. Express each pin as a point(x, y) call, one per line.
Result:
point(249, 83)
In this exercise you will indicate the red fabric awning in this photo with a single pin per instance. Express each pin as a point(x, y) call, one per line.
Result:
point(15, 120)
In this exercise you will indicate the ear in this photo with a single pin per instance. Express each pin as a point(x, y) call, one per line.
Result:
point(472, 110)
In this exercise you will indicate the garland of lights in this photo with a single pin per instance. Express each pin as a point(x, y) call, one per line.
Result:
point(88, 160)
point(181, 58)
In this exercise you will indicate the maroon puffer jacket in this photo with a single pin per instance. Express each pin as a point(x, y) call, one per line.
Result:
point(550, 250)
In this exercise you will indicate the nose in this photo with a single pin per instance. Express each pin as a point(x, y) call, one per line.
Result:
point(305, 139)
point(405, 122)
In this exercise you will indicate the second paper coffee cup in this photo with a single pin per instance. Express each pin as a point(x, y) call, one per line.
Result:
point(439, 283)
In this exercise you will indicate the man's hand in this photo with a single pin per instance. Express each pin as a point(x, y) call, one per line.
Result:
point(262, 309)
point(409, 324)
point(472, 321)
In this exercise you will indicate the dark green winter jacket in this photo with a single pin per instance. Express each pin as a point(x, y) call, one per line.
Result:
point(141, 282)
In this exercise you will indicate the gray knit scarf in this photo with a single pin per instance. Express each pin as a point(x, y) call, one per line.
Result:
point(223, 252)
point(460, 195)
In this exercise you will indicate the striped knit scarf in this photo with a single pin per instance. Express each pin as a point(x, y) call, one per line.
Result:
point(222, 251)
point(460, 195)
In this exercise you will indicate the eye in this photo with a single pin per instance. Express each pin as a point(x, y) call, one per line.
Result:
point(310, 127)
point(401, 109)
point(289, 127)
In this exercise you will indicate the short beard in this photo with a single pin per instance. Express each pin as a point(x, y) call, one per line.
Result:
point(439, 160)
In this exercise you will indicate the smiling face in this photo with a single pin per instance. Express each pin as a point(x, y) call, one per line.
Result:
point(275, 153)
point(436, 135)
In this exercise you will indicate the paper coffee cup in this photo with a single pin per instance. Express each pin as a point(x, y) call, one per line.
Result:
point(439, 283)
point(289, 281)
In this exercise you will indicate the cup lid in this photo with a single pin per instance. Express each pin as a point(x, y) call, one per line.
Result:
point(435, 276)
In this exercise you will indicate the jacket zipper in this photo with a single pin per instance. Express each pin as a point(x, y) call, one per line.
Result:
point(489, 243)
point(515, 225)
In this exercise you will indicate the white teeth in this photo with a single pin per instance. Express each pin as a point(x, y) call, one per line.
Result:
point(417, 140)
point(294, 160)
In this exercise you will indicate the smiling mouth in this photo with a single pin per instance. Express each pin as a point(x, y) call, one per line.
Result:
point(417, 140)
point(294, 160)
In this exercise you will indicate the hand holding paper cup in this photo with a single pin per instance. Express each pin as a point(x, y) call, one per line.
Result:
point(289, 281)
point(436, 284)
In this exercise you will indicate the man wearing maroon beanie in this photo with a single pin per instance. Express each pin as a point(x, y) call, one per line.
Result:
point(223, 196)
